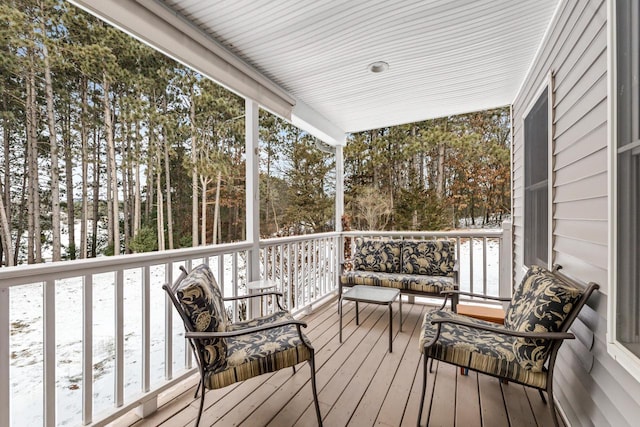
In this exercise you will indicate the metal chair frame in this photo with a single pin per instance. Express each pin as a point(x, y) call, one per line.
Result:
point(195, 338)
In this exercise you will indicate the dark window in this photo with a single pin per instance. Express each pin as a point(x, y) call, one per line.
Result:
point(536, 183)
point(628, 175)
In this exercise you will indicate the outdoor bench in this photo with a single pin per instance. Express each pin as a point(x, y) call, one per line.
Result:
point(416, 267)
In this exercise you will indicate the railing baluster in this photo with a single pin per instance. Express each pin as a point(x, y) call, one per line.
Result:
point(87, 349)
point(234, 279)
point(281, 254)
point(168, 325)
point(471, 265)
point(296, 281)
point(146, 329)
point(289, 279)
point(119, 338)
point(49, 353)
point(484, 265)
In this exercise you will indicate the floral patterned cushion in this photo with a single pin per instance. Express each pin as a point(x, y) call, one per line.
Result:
point(541, 304)
point(200, 297)
point(377, 255)
point(483, 351)
point(259, 353)
point(410, 282)
point(428, 257)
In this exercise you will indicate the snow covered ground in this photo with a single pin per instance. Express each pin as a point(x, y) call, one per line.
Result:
point(26, 313)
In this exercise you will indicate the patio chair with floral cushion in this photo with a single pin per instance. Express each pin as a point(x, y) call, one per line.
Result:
point(524, 349)
point(227, 352)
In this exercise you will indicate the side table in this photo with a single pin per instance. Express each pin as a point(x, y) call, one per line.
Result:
point(260, 286)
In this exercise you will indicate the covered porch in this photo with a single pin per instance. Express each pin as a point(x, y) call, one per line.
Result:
point(152, 381)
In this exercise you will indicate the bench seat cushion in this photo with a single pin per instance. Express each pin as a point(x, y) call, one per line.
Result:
point(482, 351)
point(407, 282)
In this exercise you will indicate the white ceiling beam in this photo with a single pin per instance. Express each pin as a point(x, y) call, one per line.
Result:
point(317, 125)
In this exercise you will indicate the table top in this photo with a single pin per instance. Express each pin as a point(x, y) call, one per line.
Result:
point(373, 294)
point(261, 284)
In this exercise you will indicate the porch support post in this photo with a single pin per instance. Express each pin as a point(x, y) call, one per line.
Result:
point(5, 384)
point(506, 264)
point(339, 187)
point(339, 211)
point(252, 193)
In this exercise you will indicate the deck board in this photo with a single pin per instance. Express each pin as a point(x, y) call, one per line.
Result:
point(359, 384)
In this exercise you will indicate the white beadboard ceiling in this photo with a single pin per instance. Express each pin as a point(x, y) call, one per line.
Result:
point(445, 56)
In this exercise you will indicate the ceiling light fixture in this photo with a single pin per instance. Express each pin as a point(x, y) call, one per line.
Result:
point(378, 67)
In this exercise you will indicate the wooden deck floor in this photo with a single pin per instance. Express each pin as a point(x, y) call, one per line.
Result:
point(359, 384)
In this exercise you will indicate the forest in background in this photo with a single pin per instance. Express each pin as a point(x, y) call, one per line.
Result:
point(110, 144)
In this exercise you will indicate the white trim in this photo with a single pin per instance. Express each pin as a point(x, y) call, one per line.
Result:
point(536, 56)
point(628, 360)
point(550, 167)
point(611, 173)
point(546, 85)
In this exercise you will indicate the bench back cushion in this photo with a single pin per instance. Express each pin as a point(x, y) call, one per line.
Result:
point(377, 255)
point(542, 303)
point(428, 257)
point(200, 297)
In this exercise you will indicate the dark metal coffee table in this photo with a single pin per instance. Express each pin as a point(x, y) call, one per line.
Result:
point(373, 295)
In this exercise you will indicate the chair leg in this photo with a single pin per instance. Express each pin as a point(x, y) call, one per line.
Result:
point(424, 388)
point(312, 365)
point(551, 403)
point(294, 370)
point(195, 395)
point(544, 400)
point(201, 403)
point(430, 366)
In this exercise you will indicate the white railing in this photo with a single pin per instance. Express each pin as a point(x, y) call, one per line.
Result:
point(83, 342)
point(304, 267)
point(86, 341)
point(483, 255)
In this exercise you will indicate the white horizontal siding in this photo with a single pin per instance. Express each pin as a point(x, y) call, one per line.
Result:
point(591, 387)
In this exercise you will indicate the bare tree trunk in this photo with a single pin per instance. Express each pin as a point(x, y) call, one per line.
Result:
point(34, 250)
point(137, 202)
point(85, 170)
point(167, 180)
point(96, 195)
point(440, 176)
point(216, 211)
point(204, 181)
point(6, 196)
point(150, 178)
point(68, 163)
point(53, 146)
point(111, 153)
point(125, 187)
point(160, 209)
point(194, 176)
point(6, 234)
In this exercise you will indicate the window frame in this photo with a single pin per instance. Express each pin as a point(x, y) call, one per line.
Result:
point(618, 351)
point(545, 86)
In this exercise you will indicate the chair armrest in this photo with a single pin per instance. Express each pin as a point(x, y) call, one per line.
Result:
point(476, 295)
point(239, 332)
point(529, 335)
